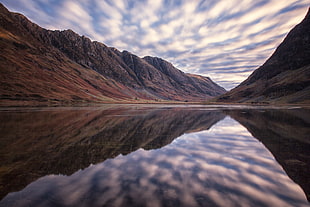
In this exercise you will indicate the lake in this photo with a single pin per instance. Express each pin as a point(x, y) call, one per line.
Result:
point(155, 155)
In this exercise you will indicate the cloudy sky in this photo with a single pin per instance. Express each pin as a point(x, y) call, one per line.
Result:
point(223, 39)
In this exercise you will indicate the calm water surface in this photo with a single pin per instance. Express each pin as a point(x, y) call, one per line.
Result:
point(137, 155)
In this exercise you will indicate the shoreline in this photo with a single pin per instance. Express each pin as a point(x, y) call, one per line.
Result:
point(98, 104)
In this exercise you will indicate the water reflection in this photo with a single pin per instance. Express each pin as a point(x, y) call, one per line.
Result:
point(39, 142)
point(219, 166)
point(286, 135)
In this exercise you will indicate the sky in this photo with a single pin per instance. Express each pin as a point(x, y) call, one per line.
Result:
point(225, 40)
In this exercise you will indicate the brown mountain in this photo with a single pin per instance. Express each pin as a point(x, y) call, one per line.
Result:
point(40, 66)
point(284, 77)
point(189, 82)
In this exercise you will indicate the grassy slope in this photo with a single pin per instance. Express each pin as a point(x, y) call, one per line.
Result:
point(32, 74)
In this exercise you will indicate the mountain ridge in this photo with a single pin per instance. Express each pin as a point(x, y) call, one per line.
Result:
point(89, 70)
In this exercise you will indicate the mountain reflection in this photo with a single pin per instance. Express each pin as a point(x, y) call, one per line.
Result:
point(39, 142)
point(286, 135)
point(221, 166)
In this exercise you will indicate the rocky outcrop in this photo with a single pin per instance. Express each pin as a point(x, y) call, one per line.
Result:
point(71, 68)
point(284, 77)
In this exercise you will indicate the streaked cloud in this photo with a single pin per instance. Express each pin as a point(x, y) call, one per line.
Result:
point(225, 40)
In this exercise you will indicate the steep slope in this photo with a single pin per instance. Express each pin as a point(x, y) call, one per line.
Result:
point(284, 77)
point(37, 73)
point(189, 82)
point(45, 67)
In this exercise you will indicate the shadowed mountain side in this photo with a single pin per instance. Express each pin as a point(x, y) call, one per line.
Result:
point(62, 141)
point(45, 67)
point(284, 77)
point(286, 135)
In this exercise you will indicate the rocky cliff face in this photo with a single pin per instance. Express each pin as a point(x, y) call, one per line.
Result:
point(284, 77)
point(44, 66)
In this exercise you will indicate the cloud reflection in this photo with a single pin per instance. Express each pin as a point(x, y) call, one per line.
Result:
point(226, 40)
point(219, 167)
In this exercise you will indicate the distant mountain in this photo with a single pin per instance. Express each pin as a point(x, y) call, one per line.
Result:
point(40, 66)
point(284, 77)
